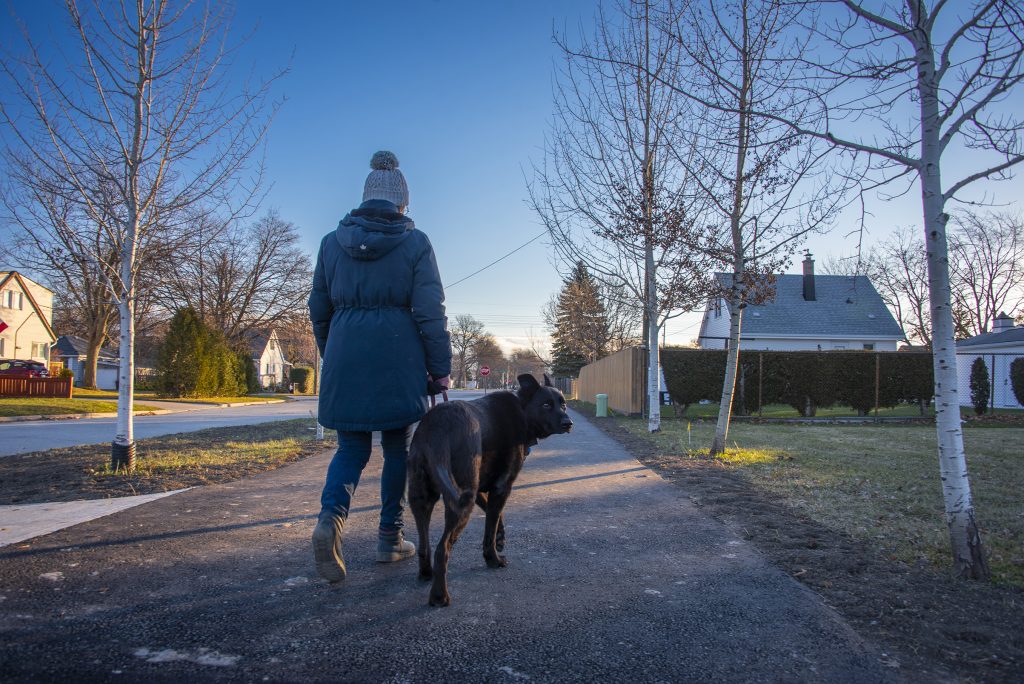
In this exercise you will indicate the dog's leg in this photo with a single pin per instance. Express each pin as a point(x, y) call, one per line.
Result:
point(492, 527)
point(454, 523)
point(422, 504)
point(499, 535)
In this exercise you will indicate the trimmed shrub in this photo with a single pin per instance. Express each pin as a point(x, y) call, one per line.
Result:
point(805, 380)
point(302, 376)
point(66, 373)
point(247, 371)
point(1017, 379)
point(981, 387)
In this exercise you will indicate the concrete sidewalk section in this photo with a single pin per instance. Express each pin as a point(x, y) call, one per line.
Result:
point(19, 522)
point(613, 575)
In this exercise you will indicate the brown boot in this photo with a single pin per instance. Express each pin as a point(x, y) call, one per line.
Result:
point(327, 547)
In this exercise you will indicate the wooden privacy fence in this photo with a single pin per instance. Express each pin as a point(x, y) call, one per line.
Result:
point(35, 387)
point(620, 376)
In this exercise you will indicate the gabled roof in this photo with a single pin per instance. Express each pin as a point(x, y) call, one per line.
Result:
point(257, 341)
point(73, 345)
point(6, 277)
point(1010, 336)
point(844, 305)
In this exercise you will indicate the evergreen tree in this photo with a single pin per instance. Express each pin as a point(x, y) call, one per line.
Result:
point(195, 361)
point(981, 388)
point(581, 331)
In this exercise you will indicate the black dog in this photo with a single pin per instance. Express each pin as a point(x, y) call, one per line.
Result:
point(472, 451)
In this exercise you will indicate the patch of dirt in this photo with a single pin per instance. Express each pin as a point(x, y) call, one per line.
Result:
point(927, 622)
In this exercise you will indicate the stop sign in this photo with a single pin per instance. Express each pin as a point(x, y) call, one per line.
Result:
point(485, 370)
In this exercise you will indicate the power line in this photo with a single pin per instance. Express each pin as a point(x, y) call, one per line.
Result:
point(501, 258)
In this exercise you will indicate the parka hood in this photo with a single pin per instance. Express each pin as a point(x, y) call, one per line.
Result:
point(373, 230)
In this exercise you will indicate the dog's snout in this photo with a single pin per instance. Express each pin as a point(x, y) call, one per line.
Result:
point(566, 425)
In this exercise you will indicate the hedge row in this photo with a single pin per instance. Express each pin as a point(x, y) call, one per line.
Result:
point(804, 380)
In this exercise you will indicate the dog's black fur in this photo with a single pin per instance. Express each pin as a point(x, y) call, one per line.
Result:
point(471, 452)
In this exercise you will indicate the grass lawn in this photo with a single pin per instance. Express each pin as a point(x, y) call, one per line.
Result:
point(162, 463)
point(878, 483)
point(45, 406)
point(110, 394)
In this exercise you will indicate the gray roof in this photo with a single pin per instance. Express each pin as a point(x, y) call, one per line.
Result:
point(1002, 337)
point(72, 345)
point(843, 305)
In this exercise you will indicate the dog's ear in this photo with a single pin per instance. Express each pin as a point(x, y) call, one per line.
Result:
point(547, 380)
point(528, 386)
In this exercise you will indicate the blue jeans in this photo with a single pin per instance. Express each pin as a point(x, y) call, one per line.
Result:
point(348, 463)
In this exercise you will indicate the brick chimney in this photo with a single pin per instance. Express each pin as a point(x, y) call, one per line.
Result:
point(808, 277)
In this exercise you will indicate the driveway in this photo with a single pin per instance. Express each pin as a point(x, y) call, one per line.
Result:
point(613, 576)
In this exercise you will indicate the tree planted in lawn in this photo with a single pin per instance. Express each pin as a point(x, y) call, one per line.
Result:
point(981, 388)
point(131, 124)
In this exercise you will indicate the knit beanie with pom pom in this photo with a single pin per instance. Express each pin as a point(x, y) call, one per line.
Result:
point(385, 181)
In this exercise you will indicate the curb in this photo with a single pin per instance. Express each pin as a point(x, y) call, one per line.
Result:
point(76, 416)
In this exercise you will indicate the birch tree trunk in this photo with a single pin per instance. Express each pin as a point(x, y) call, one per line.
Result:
point(653, 356)
point(732, 362)
point(965, 539)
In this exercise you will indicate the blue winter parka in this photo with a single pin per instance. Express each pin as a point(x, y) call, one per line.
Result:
point(377, 308)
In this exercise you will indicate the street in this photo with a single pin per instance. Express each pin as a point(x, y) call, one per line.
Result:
point(19, 438)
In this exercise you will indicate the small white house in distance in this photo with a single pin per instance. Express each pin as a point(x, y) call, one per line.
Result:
point(26, 307)
point(268, 357)
point(809, 312)
point(998, 348)
point(72, 350)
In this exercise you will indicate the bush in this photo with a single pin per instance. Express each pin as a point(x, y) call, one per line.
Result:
point(1017, 379)
point(805, 380)
point(981, 387)
point(302, 377)
point(66, 373)
point(195, 361)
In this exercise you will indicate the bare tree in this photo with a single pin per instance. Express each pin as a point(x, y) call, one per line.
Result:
point(934, 78)
point(765, 186)
point(131, 129)
point(465, 333)
point(610, 189)
point(987, 268)
point(486, 352)
point(240, 278)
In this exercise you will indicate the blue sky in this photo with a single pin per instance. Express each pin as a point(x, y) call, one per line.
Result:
point(462, 93)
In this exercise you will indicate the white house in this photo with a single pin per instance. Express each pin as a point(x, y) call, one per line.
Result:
point(271, 366)
point(26, 312)
point(808, 312)
point(72, 350)
point(998, 348)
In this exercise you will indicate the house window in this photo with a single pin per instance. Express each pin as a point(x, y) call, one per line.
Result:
point(718, 308)
point(39, 349)
point(869, 346)
point(13, 300)
point(3, 347)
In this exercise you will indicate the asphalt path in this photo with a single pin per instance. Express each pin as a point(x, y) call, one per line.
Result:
point(614, 575)
point(42, 435)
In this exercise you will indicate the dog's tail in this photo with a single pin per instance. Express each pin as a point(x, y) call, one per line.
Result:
point(464, 496)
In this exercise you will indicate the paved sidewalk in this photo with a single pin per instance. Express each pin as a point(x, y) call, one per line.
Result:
point(613, 576)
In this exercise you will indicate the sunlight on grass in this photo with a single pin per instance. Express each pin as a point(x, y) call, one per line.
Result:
point(44, 406)
point(879, 483)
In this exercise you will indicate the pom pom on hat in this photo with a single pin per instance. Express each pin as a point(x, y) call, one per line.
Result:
point(385, 181)
point(384, 161)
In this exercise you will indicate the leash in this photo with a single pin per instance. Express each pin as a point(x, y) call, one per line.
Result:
point(433, 398)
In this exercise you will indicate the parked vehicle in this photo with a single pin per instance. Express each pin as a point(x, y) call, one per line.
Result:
point(17, 368)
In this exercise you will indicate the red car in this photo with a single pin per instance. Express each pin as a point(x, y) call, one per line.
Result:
point(17, 368)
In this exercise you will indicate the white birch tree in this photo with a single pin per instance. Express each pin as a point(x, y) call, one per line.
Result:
point(921, 88)
point(765, 186)
point(610, 189)
point(139, 104)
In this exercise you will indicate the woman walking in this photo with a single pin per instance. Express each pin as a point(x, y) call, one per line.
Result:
point(377, 308)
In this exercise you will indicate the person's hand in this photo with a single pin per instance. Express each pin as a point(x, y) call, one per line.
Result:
point(437, 385)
